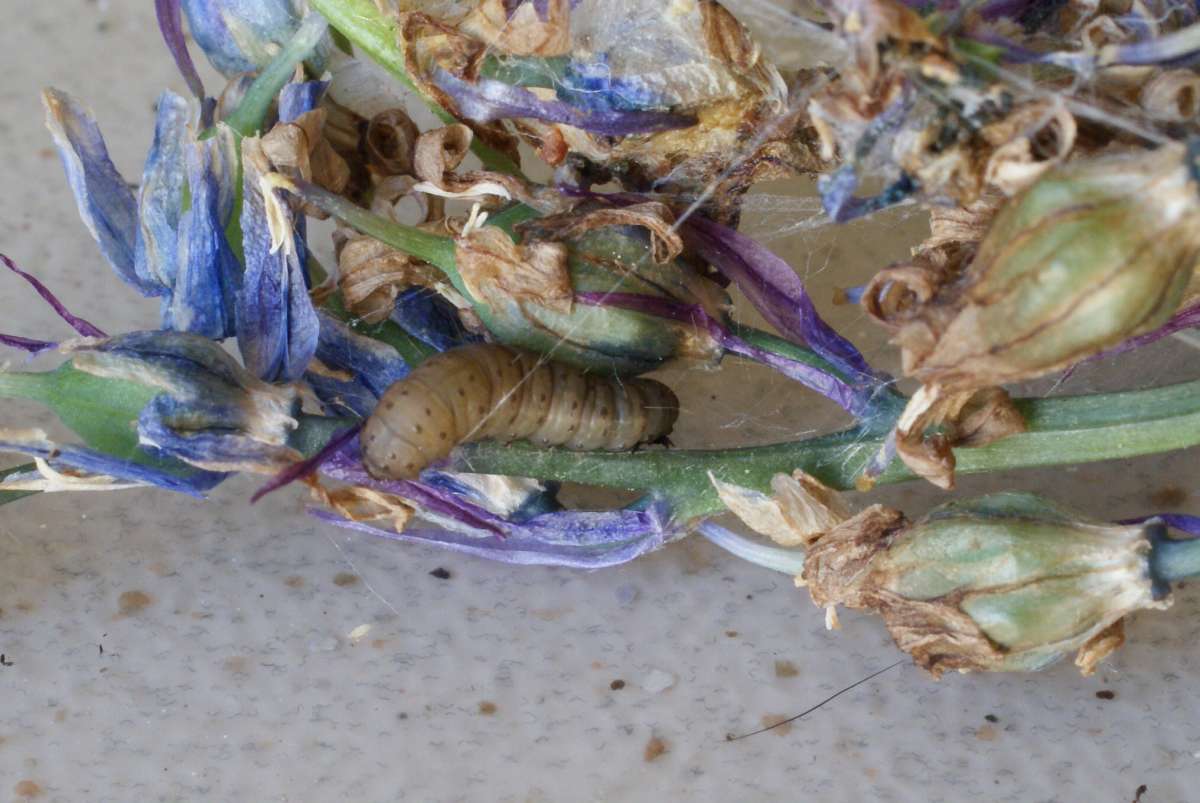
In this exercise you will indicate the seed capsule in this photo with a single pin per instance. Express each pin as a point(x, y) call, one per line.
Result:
point(1094, 253)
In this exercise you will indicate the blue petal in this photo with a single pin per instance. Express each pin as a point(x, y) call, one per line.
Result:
point(200, 435)
point(370, 367)
point(431, 319)
point(487, 100)
point(105, 201)
point(160, 198)
point(277, 327)
point(243, 35)
point(297, 98)
point(204, 296)
point(578, 539)
point(199, 375)
point(79, 458)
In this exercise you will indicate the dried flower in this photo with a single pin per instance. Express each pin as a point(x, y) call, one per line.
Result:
point(1008, 582)
point(1094, 253)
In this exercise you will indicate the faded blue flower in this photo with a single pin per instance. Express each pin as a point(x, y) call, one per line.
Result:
point(244, 35)
point(212, 413)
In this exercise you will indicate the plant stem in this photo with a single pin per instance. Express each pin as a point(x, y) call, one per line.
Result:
point(365, 25)
point(248, 117)
point(1061, 431)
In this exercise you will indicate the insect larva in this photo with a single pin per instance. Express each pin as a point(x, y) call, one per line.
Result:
point(490, 391)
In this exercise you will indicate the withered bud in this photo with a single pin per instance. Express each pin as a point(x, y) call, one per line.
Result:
point(935, 422)
point(1008, 582)
point(390, 141)
point(371, 275)
point(1095, 252)
point(300, 150)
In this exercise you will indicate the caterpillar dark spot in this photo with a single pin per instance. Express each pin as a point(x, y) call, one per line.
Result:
point(489, 391)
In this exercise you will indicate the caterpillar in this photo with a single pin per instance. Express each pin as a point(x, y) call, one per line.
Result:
point(490, 391)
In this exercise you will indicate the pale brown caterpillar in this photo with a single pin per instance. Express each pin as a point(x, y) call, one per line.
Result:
point(490, 391)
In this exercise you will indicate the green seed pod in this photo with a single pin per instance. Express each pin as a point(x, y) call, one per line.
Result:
point(1008, 582)
point(1093, 253)
point(565, 307)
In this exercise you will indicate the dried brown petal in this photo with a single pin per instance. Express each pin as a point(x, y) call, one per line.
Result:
point(371, 275)
point(799, 509)
point(390, 141)
point(656, 218)
point(363, 504)
point(430, 44)
point(440, 151)
point(1028, 142)
point(525, 33)
point(1172, 96)
point(495, 269)
point(967, 418)
point(299, 149)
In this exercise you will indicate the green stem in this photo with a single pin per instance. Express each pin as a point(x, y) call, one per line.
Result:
point(362, 22)
point(248, 117)
point(435, 249)
point(1061, 431)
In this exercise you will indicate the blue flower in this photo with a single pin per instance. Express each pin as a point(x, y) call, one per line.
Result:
point(212, 413)
point(244, 35)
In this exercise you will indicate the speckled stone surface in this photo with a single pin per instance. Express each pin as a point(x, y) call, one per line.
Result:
point(160, 648)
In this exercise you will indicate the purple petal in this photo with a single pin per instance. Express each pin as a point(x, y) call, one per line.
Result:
point(161, 194)
point(580, 539)
point(1180, 521)
point(277, 326)
point(774, 289)
point(203, 300)
point(106, 204)
point(1187, 318)
point(26, 343)
point(79, 458)
point(308, 466)
point(170, 24)
point(80, 325)
point(854, 400)
point(488, 100)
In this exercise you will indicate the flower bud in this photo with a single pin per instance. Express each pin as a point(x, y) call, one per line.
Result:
point(244, 35)
point(1093, 253)
point(1008, 582)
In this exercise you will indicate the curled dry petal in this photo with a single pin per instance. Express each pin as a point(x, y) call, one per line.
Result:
point(440, 151)
point(298, 149)
point(495, 268)
point(962, 419)
point(1172, 96)
point(799, 509)
point(391, 138)
point(526, 32)
point(371, 275)
point(656, 218)
point(1027, 143)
